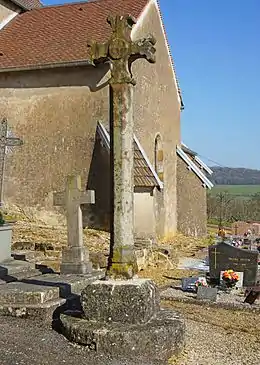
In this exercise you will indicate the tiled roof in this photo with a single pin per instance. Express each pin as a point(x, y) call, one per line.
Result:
point(144, 174)
point(28, 4)
point(55, 35)
point(59, 34)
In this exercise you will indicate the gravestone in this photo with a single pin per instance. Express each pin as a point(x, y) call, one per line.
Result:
point(207, 293)
point(5, 142)
point(75, 257)
point(252, 295)
point(223, 256)
point(188, 284)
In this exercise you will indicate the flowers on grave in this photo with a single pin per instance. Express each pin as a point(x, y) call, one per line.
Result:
point(230, 278)
point(201, 282)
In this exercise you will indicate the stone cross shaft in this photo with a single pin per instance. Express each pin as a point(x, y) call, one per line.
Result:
point(75, 258)
point(5, 141)
point(121, 52)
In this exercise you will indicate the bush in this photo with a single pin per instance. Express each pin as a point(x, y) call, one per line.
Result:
point(2, 221)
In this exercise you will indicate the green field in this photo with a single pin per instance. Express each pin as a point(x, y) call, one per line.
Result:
point(245, 191)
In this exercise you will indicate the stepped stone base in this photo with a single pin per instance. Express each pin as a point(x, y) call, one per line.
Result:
point(122, 318)
point(155, 341)
point(13, 270)
point(44, 297)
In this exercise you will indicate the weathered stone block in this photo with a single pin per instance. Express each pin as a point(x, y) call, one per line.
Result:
point(153, 342)
point(22, 293)
point(75, 260)
point(129, 301)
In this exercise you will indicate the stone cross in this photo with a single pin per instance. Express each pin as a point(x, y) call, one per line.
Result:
point(75, 257)
point(121, 52)
point(5, 141)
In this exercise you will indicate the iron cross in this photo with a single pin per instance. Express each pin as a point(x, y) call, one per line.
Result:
point(121, 51)
point(5, 141)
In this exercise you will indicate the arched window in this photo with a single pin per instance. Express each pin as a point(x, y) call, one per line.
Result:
point(158, 158)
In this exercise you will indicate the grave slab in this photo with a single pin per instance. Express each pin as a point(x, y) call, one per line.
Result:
point(67, 284)
point(13, 270)
point(23, 293)
point(43, 297)
point(205, 293)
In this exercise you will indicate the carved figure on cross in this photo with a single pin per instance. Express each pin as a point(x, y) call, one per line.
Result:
point(5, 141)
point(121, 51)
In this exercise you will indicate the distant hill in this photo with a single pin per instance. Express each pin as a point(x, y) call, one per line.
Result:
point(235, 176)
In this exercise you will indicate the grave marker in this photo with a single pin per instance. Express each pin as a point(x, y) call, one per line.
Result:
point(75, 257)
point(188, 284)
point(207, 293)
point(5, 142)
point(252, 295)
point(224, 256)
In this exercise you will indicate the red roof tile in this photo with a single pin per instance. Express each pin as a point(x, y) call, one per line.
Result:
point(59, 34)
point(28, 4)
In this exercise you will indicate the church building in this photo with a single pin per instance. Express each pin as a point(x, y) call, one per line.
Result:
point(57, 102)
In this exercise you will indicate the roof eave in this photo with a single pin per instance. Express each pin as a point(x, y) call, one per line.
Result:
point(48, 66)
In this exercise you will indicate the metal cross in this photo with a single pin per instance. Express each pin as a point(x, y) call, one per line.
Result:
point(5, 142)
point(121, 51)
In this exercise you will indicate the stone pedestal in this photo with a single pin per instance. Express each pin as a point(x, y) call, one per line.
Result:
point(123, 319)
point(75, 260)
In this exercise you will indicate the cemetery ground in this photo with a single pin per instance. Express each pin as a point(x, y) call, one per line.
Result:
point(214, 335)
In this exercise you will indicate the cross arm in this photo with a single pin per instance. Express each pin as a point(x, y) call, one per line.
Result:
point(98, 52)
point(144, 48)
point(13, 142)
point(87, 197)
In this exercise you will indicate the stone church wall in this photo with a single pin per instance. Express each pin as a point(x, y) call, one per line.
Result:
point(56, 111)
point(192, 202)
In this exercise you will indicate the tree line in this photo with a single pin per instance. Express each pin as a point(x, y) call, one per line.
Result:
point(235, 176)
point(223, 208)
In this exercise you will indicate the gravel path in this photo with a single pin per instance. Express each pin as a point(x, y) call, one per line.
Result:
point(208, 345)
point(210, 341)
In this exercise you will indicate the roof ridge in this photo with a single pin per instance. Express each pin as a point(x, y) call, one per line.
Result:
point(80, 2)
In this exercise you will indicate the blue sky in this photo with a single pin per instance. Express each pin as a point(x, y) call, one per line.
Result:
point(216, 48)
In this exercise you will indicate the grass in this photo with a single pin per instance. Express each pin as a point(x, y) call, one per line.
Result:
point(245, 191)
